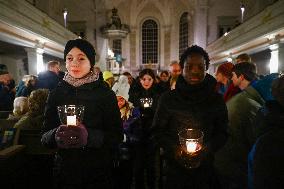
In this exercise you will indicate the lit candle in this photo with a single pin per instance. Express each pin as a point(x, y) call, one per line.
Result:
point(71, 120)
point(191, 146)
point(146, 105)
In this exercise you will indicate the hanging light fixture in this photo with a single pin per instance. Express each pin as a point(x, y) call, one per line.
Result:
point(65, 16)
point(242, 11)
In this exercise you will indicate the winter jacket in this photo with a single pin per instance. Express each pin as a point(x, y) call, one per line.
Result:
point(30, 121)
point(23, 90)
point(90, 164)
point(132, 134)
point(190, 106)
point(6, 98)
point(147, 114)
point(47, 80)
point(231, 160)
point(265, 164)
point(231, 91)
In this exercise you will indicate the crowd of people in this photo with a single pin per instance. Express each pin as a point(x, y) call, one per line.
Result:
point(129, 135)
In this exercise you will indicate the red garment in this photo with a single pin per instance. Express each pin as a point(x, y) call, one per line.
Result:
point(231, 91)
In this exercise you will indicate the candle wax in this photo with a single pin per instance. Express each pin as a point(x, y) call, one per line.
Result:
point(191, 146)
point(71, 120)
point(146, 105)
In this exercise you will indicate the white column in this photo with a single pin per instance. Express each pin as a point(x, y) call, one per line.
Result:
point(35, 60)
point(200, 23)
point(274, 59)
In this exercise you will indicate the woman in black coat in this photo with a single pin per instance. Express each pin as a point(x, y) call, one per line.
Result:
point(85, 152)
point(145, 97)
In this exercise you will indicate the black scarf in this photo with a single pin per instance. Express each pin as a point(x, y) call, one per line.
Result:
point(198, 92)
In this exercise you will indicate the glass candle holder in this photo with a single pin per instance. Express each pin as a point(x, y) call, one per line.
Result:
point(191, 141)
point(146, 102)
point(71, 115)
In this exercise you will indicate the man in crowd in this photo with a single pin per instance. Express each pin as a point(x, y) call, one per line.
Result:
point(175, 71)
point(50, 78)
point(231, 160)
point(243, 58)
point(6, 94)
point(193, 104)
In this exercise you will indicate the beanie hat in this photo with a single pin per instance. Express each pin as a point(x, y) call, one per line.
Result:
point(225, 69)
point(107, 75)
point(84, 46)
point(3, 72)
point(121, 88)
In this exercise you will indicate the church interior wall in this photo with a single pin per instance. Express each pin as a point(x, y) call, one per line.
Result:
point(228, 8)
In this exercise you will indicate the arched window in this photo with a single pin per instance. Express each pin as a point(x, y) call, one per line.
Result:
point(149, 42)
point(183, 33)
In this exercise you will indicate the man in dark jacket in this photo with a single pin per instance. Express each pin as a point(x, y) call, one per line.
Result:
point(50, 78)
point(6, 94)
point(193, 104)
point(265, 162)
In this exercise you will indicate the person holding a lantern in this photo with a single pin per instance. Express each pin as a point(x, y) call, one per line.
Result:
point(190, 124)
point(86, 145)
point(145, 98)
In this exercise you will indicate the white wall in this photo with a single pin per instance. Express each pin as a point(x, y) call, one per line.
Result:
point(220, 8)
point(15, 67)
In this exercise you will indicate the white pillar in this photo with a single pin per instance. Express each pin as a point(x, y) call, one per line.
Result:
point(200, 23)
point(35, 60)
point(274, 59)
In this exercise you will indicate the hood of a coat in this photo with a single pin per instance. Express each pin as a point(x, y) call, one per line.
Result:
point(196, 93)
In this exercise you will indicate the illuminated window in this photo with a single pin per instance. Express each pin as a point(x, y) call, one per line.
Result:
point(149, 42)
point(183, 33)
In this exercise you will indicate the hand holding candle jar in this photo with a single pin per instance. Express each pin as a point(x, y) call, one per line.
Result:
point(191, 141)
point(71, 115)
point(146, 102)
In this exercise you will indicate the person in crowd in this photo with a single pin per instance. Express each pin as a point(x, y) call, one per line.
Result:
point(108, 78)
point(85, 151)
point(243, 58)
point(132, 135)
point(164, 84)
point(26, 86)
point(231, 160)
point(175, 71)
point(173, 81)
point(193, 104)
point(98, 70)
point(21, 107)
point(33, 119)
point(164, 75)
point(132, 82)
point(260, 126)
point(7, 95)
point(50, 78)
point(224, 82)
point(146, 98)
point(265, 164)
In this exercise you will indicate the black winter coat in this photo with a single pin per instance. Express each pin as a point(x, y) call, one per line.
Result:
point(147, 114)
point(47, 80)
point(89, 165)
point(266, 157)
point(190, 106)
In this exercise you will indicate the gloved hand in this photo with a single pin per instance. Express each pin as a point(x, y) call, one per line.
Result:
point(71, 136)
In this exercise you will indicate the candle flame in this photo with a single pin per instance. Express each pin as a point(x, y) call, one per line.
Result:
point(191, 146)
